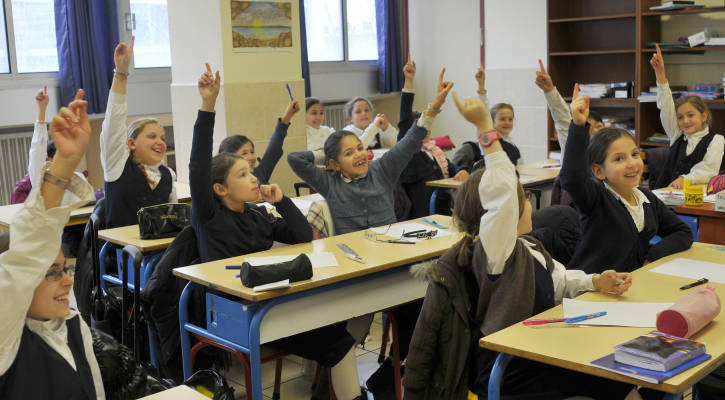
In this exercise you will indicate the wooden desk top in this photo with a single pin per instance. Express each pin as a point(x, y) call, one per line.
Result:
point(706, 210)
point(378, 256)
point(126, 235)
point(575, 348)
point(181, 392)
point(530, 175)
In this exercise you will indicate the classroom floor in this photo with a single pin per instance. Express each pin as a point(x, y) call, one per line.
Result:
point(295, 385)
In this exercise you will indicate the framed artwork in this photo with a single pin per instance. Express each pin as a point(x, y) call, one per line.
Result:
point(261, 26)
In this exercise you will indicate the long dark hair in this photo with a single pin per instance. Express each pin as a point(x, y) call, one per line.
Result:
point(220, 166)
point(232, 144)
point(333, 142)
point(600, 142)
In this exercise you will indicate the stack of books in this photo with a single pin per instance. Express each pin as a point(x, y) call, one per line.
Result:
point(654, 357)
point(676, 5)
point(704, 94)
point(593, 90)
point(715, 41)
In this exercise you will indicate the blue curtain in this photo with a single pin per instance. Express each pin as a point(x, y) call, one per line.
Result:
point(86, 36)
point(390, 48)
point(303, 47)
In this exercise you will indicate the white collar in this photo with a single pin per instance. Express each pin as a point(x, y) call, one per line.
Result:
point(697, 135)
point(347, 180)
point(638, 195)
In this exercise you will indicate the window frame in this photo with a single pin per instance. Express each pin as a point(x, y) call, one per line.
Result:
point(150, 74)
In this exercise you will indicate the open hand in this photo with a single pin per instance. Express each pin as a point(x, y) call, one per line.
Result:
point(71, 130)
point(42, 99)
point(543, 79)
point(292, 108)
point(613, 282)
point(658, 64)
point(579, 107)
point(475, 112)
point(271, 193)
point(678, 183)
point(122, 56)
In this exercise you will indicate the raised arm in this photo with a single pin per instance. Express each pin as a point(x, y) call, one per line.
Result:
point(274, 150)
point(557, 106)
point(39, 144)
point(200, 169)
point(305, 165)
point(668, 113)
point(405, 116)
point(114, 150)
point(481, 80)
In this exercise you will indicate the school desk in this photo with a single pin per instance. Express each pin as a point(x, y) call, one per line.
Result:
point(575, 348)
point(181, 392)
point(334, 294)
point(711, 223)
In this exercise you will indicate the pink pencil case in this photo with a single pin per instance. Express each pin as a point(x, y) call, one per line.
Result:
point(691, 313)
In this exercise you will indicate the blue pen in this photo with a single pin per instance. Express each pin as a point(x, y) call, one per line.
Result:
point(290, 93)
point(234, 267)
point(437, 225)
point(585, 317)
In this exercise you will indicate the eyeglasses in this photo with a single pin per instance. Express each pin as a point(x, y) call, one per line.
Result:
point(55, 274)
point(421, 234)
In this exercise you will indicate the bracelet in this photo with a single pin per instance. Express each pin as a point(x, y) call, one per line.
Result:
point(60, 182)
point(117, 72)
point(39, 122)
point(433, 110)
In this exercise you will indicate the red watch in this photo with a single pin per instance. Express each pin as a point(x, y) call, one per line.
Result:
point(486, 139)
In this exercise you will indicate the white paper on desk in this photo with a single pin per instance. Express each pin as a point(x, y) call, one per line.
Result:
point(622, 313)
point(694, 269)
point(272, 286)
point(304, 204)
point(396, 231)
point(523, 178)
point(318, 260)
point(548, 165)
point(664, 192)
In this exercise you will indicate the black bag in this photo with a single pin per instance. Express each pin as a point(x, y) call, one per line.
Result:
point(213, 382)
point(163, 220)
point(298, 269)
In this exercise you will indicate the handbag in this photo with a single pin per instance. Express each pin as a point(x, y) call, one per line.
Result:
point(298, 269)
point(163, 220)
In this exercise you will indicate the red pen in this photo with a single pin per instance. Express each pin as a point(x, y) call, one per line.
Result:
point(543, 321)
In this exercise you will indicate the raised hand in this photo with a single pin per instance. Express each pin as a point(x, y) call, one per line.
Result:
point(209, 85)
point(579, 107)
point(613, 282)
point(292, 108)
point(122, 56)
point(71, 132)
point(475, 112)
point(442, 90)
point(481, 79)
point(461, 175)
point(271, 193)
point(658, 64)
point(381, 121)
point(409, 73)
point(42, 99)
point(543, 79)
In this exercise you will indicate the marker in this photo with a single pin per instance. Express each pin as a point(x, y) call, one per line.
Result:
point(543, 321)
point(696, 283)
point(290, 93)
point(437, 225)
point(585, 317)
point(233, 267)
point(396, 241)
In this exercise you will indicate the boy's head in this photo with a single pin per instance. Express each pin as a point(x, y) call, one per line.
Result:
point(693, 115)
point(360, 112)
point(232, 180)
point(147, 141)
point(50, 298)
point(502, 115)
point(344, 152)
point(242, 145)
point(595, 122)
point(314, 116)
point(613, 156)
point(50, 150)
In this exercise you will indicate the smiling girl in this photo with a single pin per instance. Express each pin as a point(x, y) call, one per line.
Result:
point(695, 153)
point(131, 156)
point(314, 117)
point(618, 218)
point(374, 132)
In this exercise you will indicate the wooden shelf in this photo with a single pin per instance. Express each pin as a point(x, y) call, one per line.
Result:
point(697, 49)
point(686, 11)
point(592, 18)
point(592, 52)
point(645, 143)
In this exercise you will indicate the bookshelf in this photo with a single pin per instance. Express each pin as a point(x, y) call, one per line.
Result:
point(594, 41)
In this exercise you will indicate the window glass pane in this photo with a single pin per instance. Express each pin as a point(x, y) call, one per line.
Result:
point(362, 38)
point(323, 20)
point(151, 49)
point(34, 29)
point(4, 64)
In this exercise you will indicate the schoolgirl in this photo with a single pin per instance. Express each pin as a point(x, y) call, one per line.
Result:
point(316, 132)
point(374, 133)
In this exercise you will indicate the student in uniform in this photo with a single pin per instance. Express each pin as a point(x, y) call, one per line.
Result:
point(132, 157)
point(316, 132)
point(618, 218)
point(492, 278)
point(374, 133)
point(695, 153)
point(243, 146)
point(226, 225)
point(46, 349)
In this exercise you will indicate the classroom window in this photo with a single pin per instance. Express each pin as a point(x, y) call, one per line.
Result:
point(152, 47)
point(33, 23)
point(4, 56)
point(330, 37)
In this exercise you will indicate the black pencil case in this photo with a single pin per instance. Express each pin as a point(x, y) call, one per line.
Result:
point(295, 270)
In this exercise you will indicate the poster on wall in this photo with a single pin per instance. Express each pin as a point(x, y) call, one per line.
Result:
point(261, 26)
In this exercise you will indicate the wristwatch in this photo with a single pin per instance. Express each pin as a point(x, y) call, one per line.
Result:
point(486, 139)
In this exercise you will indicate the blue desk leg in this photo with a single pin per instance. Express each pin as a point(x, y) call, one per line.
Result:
point(672, 396)
point(432, 205)
point(496, 377)
point(185, 336)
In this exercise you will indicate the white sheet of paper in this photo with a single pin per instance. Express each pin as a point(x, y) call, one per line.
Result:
point(694, 269)
point(709, 198)
point(318, 260)
point(272, 286)
point(618, 313)
point(523, 178)
point(396, 231)
point(304, 204)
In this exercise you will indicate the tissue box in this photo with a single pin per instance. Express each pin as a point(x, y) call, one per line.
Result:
point(720, 201)
point(697, 39)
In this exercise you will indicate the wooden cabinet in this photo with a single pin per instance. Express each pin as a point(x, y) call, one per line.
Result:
point(594, 41)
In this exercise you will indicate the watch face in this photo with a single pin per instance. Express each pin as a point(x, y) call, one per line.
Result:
point(486, 139)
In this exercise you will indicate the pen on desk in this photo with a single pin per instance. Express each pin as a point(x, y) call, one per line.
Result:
point(290, 93)
point(434, 223)
point(585, 317)
point(543, 321)
point(397, 241)
point(696, 283)
point(233, 267)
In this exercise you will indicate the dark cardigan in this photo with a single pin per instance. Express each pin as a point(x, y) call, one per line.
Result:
point(609, 238)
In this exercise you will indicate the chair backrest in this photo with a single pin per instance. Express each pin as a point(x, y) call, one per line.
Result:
point(320, 218)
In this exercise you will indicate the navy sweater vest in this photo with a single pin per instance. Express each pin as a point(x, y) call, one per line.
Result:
point(129, 193)
point(678, 163)
point(39, 372)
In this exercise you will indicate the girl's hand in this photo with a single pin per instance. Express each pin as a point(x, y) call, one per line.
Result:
point(209, 85)
point(71, 132)
point(409, 73)
point(122, 56)
point(579, 107)
point(442, 90)
point(678, 183)
point(461, 176)
point(611, 281)
point(381, 121)
point(658, 64)
point(292, 108)
point(475, 112)
point(543, 79)
point(42, 99)
point(271, 193)
point(481, 79)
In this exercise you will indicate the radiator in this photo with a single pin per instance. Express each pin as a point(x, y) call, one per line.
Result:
point(335, 116)
point(14, 148)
